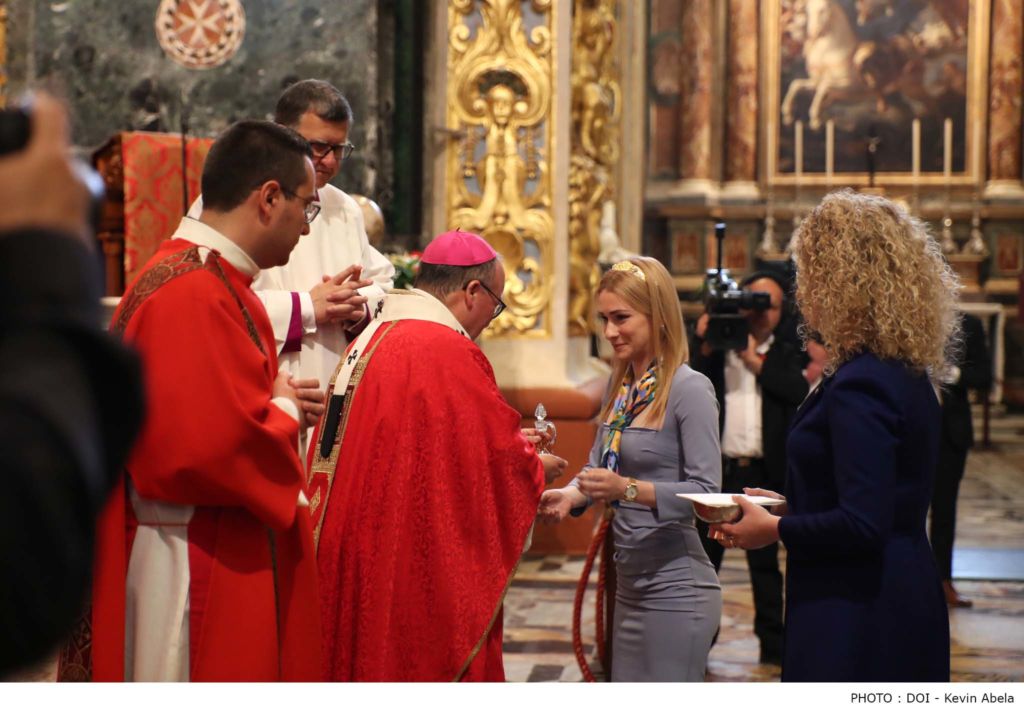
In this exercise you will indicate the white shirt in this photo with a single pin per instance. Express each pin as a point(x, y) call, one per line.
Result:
point(741, 436)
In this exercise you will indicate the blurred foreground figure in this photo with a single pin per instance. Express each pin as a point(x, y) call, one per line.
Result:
point(70, 396)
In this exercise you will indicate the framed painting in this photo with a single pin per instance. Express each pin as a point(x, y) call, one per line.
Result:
point(889, 91)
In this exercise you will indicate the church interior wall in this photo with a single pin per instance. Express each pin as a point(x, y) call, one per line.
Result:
point(933, 60)
point(701, 89)
point(105, 60)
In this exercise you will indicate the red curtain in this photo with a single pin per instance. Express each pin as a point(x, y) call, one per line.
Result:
point(153, 200)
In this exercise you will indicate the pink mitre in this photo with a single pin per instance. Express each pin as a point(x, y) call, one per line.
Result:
point(458, 249)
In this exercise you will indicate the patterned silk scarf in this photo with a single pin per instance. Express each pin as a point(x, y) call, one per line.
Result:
point(629, 403)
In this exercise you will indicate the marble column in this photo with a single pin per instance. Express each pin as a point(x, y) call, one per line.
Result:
point(664, 77)
point(1005, 91)
point(741, 101)
point(630, 178)
point(697, 30)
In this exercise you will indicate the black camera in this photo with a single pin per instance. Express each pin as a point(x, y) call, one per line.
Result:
point(15, 126)
point(15, 129)
point(724, 301)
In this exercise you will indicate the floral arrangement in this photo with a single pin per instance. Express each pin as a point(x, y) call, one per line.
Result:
point(407, 266)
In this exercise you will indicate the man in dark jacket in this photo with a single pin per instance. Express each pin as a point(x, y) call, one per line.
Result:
point(70, 396)
point(973, 370)
point(759, 389)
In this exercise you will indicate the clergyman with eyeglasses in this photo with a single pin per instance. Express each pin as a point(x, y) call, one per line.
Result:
point(204, 565)
point(422, 488)
point(314, 318)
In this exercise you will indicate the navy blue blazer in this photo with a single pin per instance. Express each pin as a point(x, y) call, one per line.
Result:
point(863, 596)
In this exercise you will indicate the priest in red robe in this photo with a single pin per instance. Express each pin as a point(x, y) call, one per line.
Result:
point(205, 567)
point(423, 489)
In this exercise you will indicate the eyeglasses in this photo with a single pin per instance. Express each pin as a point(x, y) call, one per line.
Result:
point(499, 306)
point(340, 150)
point(312, 208)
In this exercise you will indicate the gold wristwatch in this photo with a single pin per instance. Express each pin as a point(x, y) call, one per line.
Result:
point(631, 490)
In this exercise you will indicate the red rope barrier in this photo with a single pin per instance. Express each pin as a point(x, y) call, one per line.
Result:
point(602, 585)
point(577, 605)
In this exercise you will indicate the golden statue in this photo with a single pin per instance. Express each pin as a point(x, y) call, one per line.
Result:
point(596, 108)
point(499, 91)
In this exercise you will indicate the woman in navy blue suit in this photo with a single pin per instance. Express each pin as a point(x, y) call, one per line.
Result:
point(863, 597)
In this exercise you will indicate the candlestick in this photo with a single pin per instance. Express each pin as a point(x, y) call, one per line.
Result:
point(977, 151)
point(830, 147)
point(798, 156)
point(915, 159)
point(948, 244)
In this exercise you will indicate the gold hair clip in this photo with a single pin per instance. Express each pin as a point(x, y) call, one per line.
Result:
point(627, 266)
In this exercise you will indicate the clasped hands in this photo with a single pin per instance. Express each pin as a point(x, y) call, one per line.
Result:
point(337, 297)
point(756, 527)
point(304, 392)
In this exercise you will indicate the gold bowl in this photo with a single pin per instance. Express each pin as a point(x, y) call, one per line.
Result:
point(721, 508)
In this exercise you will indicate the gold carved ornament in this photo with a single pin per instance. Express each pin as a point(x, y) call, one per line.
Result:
point(596, 110)
point(499, 109)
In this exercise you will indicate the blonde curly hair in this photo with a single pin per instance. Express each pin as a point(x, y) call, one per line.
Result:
point(871, 278)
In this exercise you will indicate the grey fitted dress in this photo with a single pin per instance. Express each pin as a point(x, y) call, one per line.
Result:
point(668, 602)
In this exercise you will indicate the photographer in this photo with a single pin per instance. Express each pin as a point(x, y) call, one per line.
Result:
point(759, 389)
point(70, 397)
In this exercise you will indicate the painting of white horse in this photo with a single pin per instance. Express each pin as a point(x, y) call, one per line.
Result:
point(871, 67)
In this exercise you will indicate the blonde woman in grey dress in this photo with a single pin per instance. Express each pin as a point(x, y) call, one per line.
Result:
point(658, 438)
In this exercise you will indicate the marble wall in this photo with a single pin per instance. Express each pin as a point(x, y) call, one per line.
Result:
point(105, 59)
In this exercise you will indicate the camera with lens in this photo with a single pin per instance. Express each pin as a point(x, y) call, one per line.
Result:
point(726, 303)
point(15, 129)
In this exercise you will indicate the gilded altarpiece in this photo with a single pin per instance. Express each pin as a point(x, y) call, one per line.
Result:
point(500, 76)
point(596, 113)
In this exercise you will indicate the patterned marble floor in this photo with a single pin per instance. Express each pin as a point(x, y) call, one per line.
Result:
point(988, 639)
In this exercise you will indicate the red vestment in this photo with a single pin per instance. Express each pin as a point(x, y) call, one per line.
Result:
point(434, 493)
point(213, 439)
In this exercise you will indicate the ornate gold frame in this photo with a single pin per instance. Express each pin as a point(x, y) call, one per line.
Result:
point(500, 99)
point(977, 103)
point(595, 148)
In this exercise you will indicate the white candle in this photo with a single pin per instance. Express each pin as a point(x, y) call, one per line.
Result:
point(978, 178)
point(947, 149)
point(798, 156)
point(915, 159)
point(830, 147)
